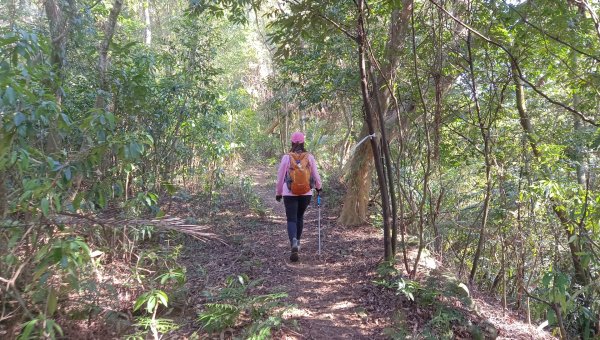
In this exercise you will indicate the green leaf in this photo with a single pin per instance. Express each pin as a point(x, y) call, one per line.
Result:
point(45, 206)
point(140, 301)
point(19, 118)
point(151, 304)
point(65, 119)
point(551, 317)
point(52, 302)
point(101, 199)
point(67, 173)
point(162, 296)
point(111, 119)
point(8, 39)
point(10, 95)
point(77, 201)
point(28, 329)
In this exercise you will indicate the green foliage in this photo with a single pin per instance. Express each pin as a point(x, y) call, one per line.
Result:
point(40, 327)
point(165, 121)
point(174, 114)
point(556, 289)
point(152, 299)
point(249, 197)
point(150, 302)
point(391, 278)
point(235, 306)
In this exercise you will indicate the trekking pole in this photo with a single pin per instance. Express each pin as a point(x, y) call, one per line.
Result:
point(319, 206)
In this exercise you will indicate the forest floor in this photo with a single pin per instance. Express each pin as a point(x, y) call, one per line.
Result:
point(332, 295)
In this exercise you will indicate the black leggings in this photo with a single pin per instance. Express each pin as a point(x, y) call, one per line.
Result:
point(295, 206)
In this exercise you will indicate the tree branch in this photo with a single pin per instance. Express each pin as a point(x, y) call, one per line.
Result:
point(553, 37)
point(593, 15)
point(513, 59)
point(339, 27)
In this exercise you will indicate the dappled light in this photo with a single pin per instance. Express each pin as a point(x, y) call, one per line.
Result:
point(251, 169)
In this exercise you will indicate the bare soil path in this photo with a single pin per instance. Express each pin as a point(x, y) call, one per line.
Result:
point(329, 289)
point(330, 292)
point(333, 294)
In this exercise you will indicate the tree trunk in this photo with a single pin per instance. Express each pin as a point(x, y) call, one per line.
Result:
point(103, 84)
point(582, 274)
point(356, 200)
point(370, 121)
point(59, 28)
point(484, 130)
point(3, 200)
point(147, 27)
point(12, 12)
point(358, 181)
point(354, 211)
point(109, 31)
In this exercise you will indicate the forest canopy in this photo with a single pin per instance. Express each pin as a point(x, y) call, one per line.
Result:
point(467, 130)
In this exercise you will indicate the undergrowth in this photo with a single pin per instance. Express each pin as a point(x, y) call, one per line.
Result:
point(249, 197)
point(442, 301)
point(233, 307)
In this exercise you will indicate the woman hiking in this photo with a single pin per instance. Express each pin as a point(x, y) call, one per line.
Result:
point(296, 178)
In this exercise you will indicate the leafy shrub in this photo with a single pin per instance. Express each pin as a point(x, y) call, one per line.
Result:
point(235, 307)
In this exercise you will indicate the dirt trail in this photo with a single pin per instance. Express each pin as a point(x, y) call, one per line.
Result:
point(328, 289)
point(333, 293)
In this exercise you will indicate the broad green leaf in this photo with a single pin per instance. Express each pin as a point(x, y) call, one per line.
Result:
point(67, 173)
point(162, 296)
point(151, 304)
point(140, 301)
point(10, 96)
point(28, 328)
point(52, 302)
point(19, 118)
point(45, 206)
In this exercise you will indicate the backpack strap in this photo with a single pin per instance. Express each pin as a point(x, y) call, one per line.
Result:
point(296, 157)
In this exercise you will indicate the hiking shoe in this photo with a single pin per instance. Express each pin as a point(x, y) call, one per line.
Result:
point(295, 248)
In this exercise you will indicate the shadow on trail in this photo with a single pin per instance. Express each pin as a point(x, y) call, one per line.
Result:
point(326, 293)
point(328, 290)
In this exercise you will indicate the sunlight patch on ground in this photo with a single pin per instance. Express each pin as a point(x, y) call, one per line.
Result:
point(225, 213)
point(342, 305)
point(337, 281)
point(429, 263)
point(296, 313)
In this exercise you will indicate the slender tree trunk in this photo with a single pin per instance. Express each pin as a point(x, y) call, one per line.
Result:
point(147, 27)
point(370, 121)
point(484, 130)
point(103, 83)
point(109, 31)
point(559, 319)
point(387, 166)
point(12, 12)
point(59, 29)
point(354, 210)
point(428, 154)
point(582, 274)
point(503, 269)
point(3, 200)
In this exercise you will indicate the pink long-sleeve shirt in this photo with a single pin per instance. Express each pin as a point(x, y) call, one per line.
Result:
point(282, 189)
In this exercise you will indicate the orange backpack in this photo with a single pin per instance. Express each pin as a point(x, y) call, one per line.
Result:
point(299, 177)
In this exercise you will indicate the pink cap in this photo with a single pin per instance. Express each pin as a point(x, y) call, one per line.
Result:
point(297, 137)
